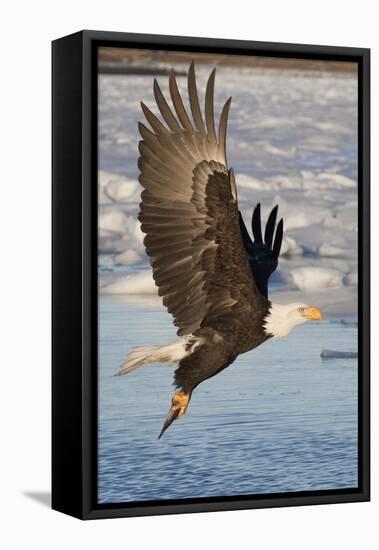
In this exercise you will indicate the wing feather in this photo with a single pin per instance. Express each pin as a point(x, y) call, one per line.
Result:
point(194, 100)
point(262, 256)
point(178, 103)
point(222, 128)
point(189, 210)
point(209, 111)
point(154, 122)
point(165, 110)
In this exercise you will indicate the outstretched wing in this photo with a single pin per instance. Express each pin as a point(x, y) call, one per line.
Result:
point(189, 211)
point(262, 255)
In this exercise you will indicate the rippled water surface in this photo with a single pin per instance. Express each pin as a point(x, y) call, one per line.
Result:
point(279, 419)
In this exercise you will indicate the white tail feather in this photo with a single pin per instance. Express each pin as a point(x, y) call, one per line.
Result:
point(169, 353)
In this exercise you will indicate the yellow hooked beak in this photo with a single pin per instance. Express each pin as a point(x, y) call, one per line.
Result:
point(312, 313)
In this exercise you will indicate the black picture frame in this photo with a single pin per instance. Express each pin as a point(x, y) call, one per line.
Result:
point(74, 333)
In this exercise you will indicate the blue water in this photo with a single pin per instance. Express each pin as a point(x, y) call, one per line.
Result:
point(279, 419)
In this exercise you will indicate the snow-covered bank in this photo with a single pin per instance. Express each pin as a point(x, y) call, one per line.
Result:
point(291, 141)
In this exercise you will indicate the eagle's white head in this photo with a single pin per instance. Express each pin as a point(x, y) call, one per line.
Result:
point(281, 319)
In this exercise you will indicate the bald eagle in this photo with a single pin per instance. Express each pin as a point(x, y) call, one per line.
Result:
point(212, 276)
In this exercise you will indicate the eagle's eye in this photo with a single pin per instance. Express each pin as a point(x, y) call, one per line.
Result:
point(301, 309)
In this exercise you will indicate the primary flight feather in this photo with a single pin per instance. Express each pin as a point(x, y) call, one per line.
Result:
point(212, 277)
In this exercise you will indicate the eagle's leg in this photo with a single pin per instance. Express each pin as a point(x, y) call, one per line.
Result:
point(179, 405)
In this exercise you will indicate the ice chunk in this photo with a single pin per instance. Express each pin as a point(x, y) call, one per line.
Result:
point(337, 180)
point(112, 245)
point(124, 190)
point(113, 220)
point(290, 247)
point(333, 251)
point(249, 182)
point(137, 283)
point(332, 354)
point(128, 257)
point(281, 152)
point(349, 323)
point(351, 278)
point(117, 188)
point(314, 278)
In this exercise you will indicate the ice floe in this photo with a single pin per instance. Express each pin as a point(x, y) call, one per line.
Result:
point(291, 141)
point(314, 278)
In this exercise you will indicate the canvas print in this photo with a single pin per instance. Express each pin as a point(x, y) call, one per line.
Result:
point(227, 271)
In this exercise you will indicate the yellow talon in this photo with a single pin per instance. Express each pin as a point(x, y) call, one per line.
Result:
point(179, 405)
